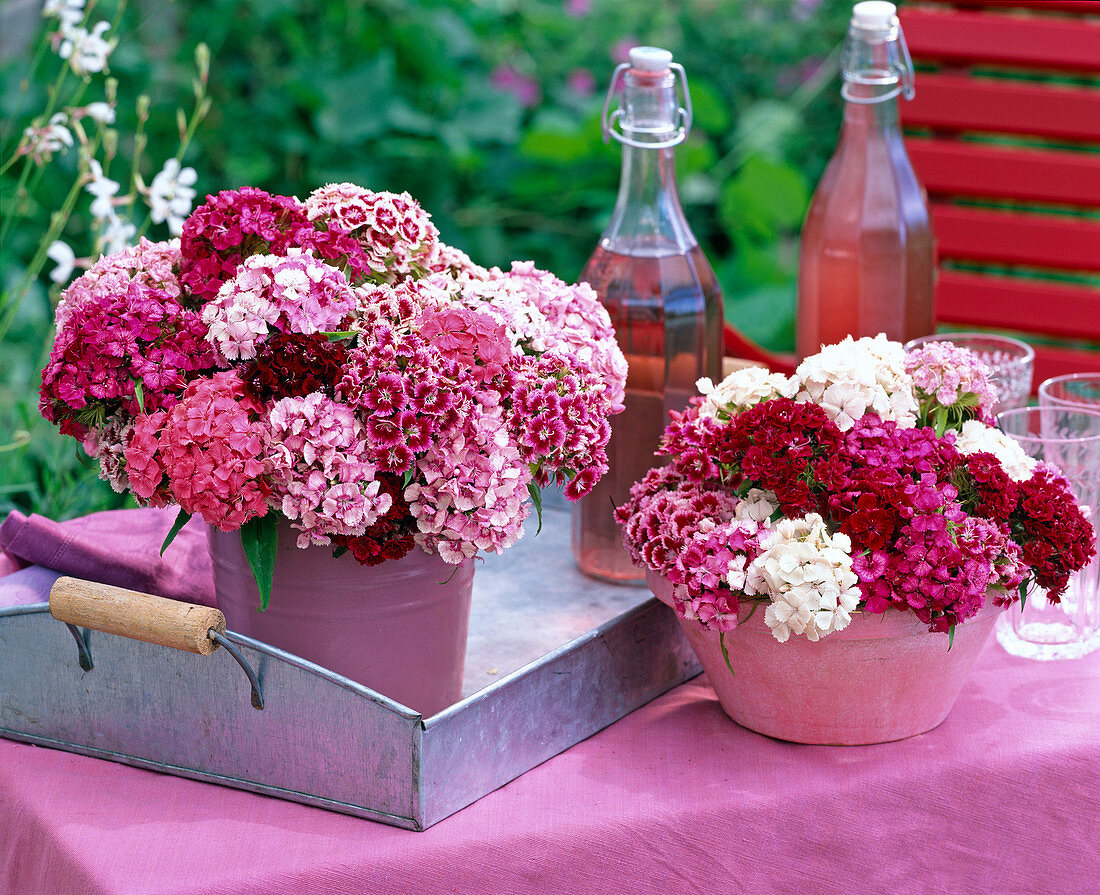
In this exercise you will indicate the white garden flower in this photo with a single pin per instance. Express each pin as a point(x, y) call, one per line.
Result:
point(64, 257)
point(807, 574)
point(43, 142)
point(116, 234)
point(171, 195)
point(741, 390)
point(86, 50)
point(103, 189)
point(69, 12)
point(856, 376)
point(976, 437)
point(100, 112)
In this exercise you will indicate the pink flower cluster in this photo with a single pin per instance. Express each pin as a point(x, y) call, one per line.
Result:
point(396, 234)
point(125, 341)
point(295, 293)
point(206, 454)
point(332, 362)
point(923, 527)
point(473, 490)
point(235, 224)
point(320, 476)
point(951, 384)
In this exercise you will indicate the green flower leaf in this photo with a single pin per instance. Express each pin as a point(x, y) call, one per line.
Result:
point(260, 539)
point(725, 652)
point(536, 499)
point(181, 520)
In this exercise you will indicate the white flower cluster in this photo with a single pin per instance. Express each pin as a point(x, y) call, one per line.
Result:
point(171, 193)
point(87, 51)
point(808, 575)
point(741, 390)
point(853, 377)
point(976, 437)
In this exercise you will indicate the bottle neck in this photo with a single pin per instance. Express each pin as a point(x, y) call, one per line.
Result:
point(870, 107)
point(647, 218)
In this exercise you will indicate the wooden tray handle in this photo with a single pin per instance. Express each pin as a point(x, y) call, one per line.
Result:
point(129, 613)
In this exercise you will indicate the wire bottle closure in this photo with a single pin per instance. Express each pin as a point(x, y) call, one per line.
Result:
point(683, 113)
point(899, 72)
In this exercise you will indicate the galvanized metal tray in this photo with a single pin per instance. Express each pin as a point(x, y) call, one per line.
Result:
point(552, 658)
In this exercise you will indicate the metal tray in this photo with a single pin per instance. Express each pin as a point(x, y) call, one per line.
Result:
point(552, 658)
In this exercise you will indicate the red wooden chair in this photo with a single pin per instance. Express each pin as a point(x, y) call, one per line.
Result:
point(1004, 133)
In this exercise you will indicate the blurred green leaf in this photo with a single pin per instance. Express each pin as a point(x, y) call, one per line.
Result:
point(764, 127)
point(553, 146)
point(764, 314)
point(764, 198)
point(348, 116)
point(710, 110)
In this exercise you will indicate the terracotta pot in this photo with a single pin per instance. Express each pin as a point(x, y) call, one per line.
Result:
point(884, 677)
point(398, 628)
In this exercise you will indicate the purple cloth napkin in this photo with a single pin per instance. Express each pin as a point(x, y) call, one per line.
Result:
point(119, 547)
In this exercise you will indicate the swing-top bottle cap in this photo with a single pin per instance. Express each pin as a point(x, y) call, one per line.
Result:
point(650, 59)
point(874, 14)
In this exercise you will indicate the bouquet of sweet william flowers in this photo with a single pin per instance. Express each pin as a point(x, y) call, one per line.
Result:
point(870, 480)
point(332, 363)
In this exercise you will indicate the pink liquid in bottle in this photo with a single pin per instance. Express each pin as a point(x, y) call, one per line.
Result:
point(866, 257)
point(666, 310)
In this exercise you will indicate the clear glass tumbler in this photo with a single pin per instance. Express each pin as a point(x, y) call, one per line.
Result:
point(1011, 363)
point(1069, 438)
point(1080, 391)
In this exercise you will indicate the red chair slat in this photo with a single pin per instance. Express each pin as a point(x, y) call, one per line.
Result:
point(1054, 42)
point(1037, 306)
point(1084, 7)
point(1002, 237)
point(969, 169)
point(1060, 361)
point(961, 103)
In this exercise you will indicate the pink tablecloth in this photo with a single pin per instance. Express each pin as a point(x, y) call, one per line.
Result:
point(675, 798)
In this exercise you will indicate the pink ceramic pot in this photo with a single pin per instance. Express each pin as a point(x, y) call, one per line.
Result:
point(884, 677)
point(399, 627)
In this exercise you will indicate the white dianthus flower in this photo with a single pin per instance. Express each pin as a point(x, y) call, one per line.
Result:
point(117, 234)
point(100, 112)
point(69, 12)
point(856, 376)
point(757, 505)
point(103, 189)
point(741, 390)
point(807, 574)
point(43, 142)
point(976, 437)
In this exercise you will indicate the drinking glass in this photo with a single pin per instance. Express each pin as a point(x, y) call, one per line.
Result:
point(1076, 390)
point(1011, 363)
point(1068, 438)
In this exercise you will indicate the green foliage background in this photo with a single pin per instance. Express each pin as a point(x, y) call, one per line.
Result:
point(402, 95)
